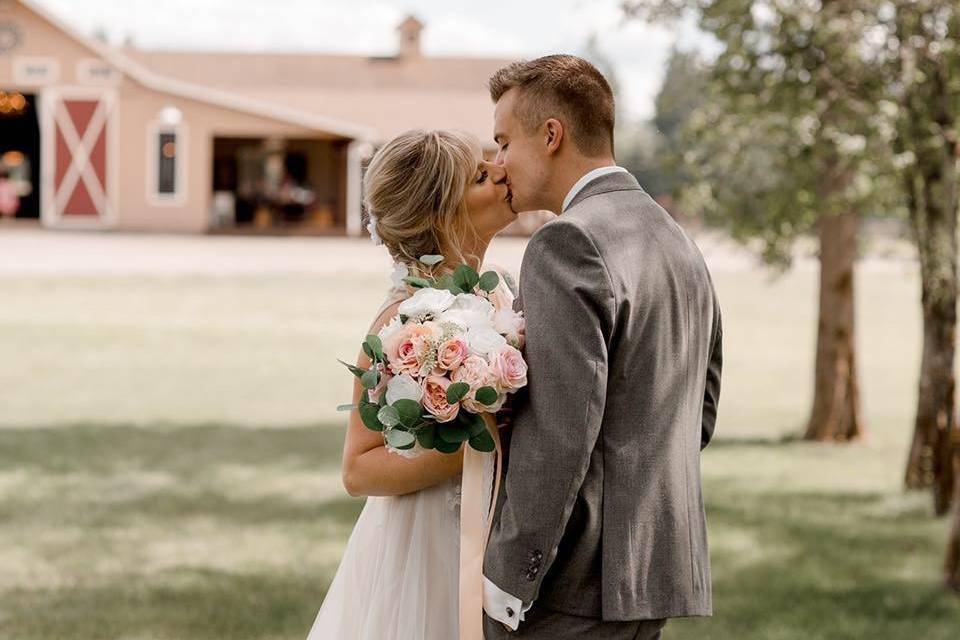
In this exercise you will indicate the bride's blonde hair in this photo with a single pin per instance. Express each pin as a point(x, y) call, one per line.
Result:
point(414, 190)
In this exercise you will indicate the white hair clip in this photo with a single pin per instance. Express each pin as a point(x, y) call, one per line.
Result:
point(372, 230)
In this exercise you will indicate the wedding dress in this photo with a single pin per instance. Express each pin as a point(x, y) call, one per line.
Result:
point(398, 578)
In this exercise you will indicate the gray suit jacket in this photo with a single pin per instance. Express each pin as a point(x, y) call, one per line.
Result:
point(600, 512)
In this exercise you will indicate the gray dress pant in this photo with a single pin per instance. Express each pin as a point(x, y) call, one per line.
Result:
point(553, 625)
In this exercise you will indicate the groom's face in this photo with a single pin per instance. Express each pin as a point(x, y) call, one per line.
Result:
point(520, 154)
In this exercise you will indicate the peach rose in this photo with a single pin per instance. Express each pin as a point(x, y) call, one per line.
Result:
point(435, 399)
point(450, 354)
point(509, 369)
point(409, 348)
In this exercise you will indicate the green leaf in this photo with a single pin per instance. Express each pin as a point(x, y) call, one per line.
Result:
point(367, 349)
point(431, 260)
point(443, 446)
point(403, 319)
point(457, 391)
point(489, 281)
point(368, 414)
point(427, 437)
point(472, 423)
point(370, 379)
point(417, 283)
point(446, 282)
point(453, 432)
point(400, 439)
point(376, 346)
point(357, 371)
point(466, 278)
point(346, 407)
point(483, 442)
point(487, 396)
point(389, 416)
point(408, 412)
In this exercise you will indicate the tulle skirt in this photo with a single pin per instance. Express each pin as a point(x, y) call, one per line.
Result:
point(398, 579)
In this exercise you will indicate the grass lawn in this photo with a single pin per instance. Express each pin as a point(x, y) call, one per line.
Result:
point(169, 459)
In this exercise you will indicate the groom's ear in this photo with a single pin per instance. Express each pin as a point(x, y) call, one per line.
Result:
point(553, 134)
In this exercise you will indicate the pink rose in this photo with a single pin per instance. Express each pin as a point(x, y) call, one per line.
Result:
point(509, 369)
point(450, 354)
point(435, 399)
point(475, 372)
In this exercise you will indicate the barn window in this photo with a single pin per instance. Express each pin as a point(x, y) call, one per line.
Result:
point(167, 157)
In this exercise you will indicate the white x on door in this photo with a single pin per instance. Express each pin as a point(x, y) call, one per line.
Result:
point(79, 158)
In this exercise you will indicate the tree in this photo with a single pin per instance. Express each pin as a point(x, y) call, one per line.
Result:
point(787, 144)
point(923, 81)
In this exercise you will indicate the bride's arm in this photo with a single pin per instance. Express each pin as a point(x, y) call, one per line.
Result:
point(370, 470)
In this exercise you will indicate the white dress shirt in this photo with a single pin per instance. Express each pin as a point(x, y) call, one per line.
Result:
point(499, 604)
point(587, 178)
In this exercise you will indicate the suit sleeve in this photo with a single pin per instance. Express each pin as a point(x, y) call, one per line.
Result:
point(570, 307)
point(711, 394)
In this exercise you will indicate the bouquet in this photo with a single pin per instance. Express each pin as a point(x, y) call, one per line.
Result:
point(451, 355)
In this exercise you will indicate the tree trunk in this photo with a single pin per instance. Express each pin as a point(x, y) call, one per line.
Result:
point(952, 564)
point(836, 402)
point(934, 216)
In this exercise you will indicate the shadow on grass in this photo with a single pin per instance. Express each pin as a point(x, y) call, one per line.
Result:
point(183, 603)
point(179, 449)
point(792, 565)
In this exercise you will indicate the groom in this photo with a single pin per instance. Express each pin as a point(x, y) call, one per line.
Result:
point(599, 531)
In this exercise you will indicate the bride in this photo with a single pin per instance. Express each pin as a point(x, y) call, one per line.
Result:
point(427, 193)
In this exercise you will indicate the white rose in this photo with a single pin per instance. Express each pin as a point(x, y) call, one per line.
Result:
point(389, 330)
point(426, 302)
point(484, 340)
point(469, 312)
point(403, 387)
point(509, 323)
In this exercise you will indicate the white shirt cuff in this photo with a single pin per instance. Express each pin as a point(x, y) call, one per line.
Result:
point(503, 607)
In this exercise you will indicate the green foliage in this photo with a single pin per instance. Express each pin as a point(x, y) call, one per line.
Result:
point(489, 281)
point(457, 391)
point(487, 395)
point(790, 127)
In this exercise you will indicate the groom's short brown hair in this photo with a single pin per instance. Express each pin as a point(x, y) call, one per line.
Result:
point(564, 87)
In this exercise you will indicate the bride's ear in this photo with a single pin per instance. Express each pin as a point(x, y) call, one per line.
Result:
point(553, 134)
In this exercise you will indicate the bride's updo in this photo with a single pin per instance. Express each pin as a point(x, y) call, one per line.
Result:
point(414, 192)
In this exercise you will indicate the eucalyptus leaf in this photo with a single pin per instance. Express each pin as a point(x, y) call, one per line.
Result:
point(357, 371)
point(376, 346)
point(466, 278)
point(443, 446)
point(473, 423)
point(370, 379)
point(453, 432)
point(431, 260)
point(487, 396)
point(489, 281)
point(427, 437)
point(417, 283)
point(400, 439)
point(483, 442)
point(408, 412)
point(368, 414)
point(389, 416)
point(457, 391)
point(346, 407)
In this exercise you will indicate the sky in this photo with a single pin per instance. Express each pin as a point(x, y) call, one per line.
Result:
point(496, 28)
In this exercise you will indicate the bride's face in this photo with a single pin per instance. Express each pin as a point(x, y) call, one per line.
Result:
point(488, 200)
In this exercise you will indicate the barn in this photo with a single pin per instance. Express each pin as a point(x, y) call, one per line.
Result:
point(103, 137)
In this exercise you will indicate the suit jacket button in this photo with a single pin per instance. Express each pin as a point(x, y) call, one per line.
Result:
point(509, 612)
point(538, 555)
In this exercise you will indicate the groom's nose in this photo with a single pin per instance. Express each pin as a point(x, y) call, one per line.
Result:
point(496, 173)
